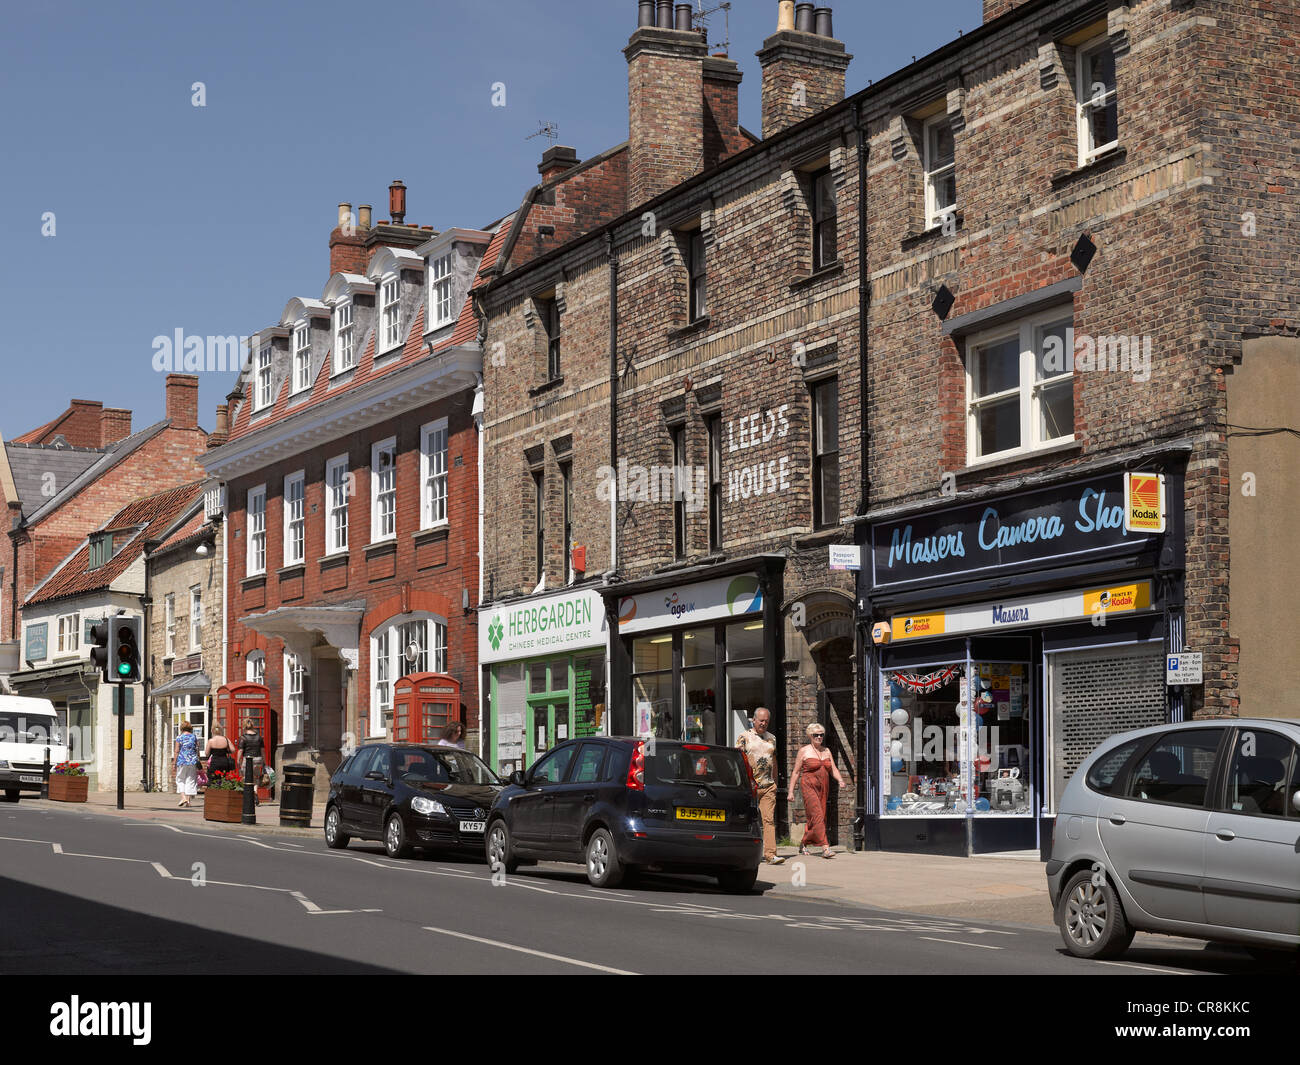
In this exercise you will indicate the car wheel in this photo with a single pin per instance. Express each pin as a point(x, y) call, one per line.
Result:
point(738, 881)
point(497, 847)
point(11, 795)
point(334, 836)
point(604, 870)
point(1091, 919)
point(395, 843)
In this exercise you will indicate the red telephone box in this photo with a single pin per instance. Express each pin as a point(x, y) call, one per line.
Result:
point(422, 704)
point(245, 701)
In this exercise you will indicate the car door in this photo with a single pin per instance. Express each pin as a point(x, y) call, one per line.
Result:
point(576, 797)
point(350, 789)
point(376, 790)
point(1154, 834)
point(1252, 864)
point(533, 811)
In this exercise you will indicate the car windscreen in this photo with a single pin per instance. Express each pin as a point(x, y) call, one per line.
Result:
point(718, 767)
point(442, 767)
point(18, 727)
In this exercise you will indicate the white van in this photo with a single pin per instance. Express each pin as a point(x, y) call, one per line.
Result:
point(27, 727)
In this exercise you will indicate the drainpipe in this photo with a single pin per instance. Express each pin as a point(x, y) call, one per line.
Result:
point(146, 608)
point(481, 422)
point(613, 397)
point(864, 443)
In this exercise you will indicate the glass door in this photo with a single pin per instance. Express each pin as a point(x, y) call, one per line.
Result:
point(549, 719)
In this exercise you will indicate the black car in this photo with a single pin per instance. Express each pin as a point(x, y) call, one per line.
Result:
point(410, 797)
point(620, 805)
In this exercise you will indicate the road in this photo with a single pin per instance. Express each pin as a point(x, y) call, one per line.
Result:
point(94, 894)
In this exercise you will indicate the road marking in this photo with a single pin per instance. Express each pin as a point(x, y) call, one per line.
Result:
point(1146, 968)
point(958, 942)
point(535, 953)
point(161, 870)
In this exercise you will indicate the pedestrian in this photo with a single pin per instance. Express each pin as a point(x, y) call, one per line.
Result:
point(219, 752)
point(452, 735)
point(759, 747)
point(812, 768)
point(187, 764)
point(250, 746)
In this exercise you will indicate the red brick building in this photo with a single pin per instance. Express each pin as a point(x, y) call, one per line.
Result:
point(350, 461)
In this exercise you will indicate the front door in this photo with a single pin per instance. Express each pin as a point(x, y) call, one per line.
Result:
point(549, 723)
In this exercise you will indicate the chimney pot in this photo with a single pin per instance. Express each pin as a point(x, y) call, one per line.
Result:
point(397, 202)
point(785, 15)
point(684, 17)
point(364, 216)
point(645, 15)
point(805, 19)
point(665, 19)
point(345, 215)
point(223, 420)
point(825, 24)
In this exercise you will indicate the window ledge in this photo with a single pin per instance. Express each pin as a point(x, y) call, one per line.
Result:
point(432, 534)
point(934, 234)
point(697, 326)
point(253, 581)
point(1020, 458)
point(819, 537)
point(821, 274)
point(381, 547)
point(1103, 162)
point(294, 569)
point(332, 559)
point(546, 386)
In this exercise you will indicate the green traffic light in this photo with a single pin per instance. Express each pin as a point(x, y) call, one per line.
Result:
point(124, 669)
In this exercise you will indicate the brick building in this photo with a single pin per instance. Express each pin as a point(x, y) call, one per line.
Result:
point(349, 458)
point(1063, 238)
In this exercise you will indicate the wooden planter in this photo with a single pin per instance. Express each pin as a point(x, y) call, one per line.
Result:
point(65, 788)
point(222, 804)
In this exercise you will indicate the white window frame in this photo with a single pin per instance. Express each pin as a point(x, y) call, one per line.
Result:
point(1029, 390)
point(345, 352)
point(256, 511)
point(388, 660)
point(434, 478)
point(934, 214)
point(390, 315)
point(1087, 150)
point(264, 396)
point(196, 618)
point(442, 294)
point(169, 624)
point(383, 491)
point(255, 667)
point(295, 697)
point(194, 709)
point(382, 659)
point(295, 518)
point(301, 356)
point(69, 634)
point(337, 497)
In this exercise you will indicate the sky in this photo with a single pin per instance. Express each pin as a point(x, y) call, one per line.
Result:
point(128, 213)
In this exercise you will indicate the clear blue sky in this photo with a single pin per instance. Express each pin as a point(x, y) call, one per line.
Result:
point(208, 219)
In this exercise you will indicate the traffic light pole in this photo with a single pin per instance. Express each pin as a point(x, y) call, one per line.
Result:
point(121, 745)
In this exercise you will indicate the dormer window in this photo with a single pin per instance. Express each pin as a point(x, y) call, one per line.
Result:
point(345, 357)
point(263, 398)
point(301, 356)
point(101, 549)
point(390, 316)
point(441, 310)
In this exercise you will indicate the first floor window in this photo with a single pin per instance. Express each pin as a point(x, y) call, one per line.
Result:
point(539, 525)
point(696, 275)
point(433, 473)
point(337, 488)
point(295, 694)
point(826, 453)
point(1097, 99)
point(678, 435)
point(383, 490)
point(714, 426)
point(196, 619)
point(825, 212)
point(257, 530)
point(169, 615)
point(295, 522)
point(69, 633)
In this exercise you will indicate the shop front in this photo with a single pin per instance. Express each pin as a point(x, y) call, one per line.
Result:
point(545, 674)
point(1006, 638)
point(693, 659)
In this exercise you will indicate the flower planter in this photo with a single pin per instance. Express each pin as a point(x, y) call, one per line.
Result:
point(65, 788)
point(223, 804)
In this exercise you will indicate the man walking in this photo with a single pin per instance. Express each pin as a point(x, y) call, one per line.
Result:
point(759, 746)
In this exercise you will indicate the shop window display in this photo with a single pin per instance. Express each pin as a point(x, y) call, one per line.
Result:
point(958, 742)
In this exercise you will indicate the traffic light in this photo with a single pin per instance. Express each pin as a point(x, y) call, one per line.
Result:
point(124, 649)
point(99, 637)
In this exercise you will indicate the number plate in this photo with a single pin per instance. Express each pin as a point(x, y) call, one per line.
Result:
point(695, 813)
point(471, 826)
point(30, 780)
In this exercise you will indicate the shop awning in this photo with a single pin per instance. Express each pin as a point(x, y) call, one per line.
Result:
point(186, 684)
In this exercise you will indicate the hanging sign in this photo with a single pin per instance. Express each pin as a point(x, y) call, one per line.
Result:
point(846, 557)
point(1144, 503)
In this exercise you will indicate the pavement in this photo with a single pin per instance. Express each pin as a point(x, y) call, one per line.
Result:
point(1012, 889)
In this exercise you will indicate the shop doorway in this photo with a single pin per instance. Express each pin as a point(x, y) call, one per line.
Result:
point(548, 718)
point(835, 712)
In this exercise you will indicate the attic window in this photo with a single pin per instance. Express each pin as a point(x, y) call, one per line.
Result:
point(344, 352)
point(263, 378)
point(101, 549)
point(301, 356)
point(440, 291)
point(390, 318)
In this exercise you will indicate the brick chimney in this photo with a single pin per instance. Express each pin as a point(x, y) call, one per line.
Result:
point(114, 425)
point(183, 400)
point(557, 160)
point(347, 245)
point(803, 66)
point(80, 427)
point(722, 135)
point(997, 8)
point(665, 96)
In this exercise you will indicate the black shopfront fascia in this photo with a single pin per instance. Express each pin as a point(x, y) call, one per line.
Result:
point(769, 569)
point(1114, 559)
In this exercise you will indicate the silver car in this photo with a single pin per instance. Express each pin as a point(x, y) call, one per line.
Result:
point(1189, 829)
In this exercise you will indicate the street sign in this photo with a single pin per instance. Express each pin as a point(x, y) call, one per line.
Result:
point(1183, 668)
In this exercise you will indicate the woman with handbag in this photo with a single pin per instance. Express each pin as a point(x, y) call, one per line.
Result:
point(219, 752)
point(187, 764)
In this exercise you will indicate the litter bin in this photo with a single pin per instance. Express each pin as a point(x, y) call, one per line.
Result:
point(296, 789)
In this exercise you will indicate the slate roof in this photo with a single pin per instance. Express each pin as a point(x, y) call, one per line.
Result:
point(32, 462)
point(141, 520)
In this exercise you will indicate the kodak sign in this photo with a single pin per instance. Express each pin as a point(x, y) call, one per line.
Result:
point(1144, 502)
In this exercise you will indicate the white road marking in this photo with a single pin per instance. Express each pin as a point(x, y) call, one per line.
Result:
point(536, 953)
point(162, 871)
point(1146, 968)
point(960, 943)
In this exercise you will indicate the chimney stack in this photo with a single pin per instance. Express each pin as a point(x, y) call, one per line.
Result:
point(803, 66)
point(114, 425)
point(556, 160)
point(219, 435)
point(665, 91)
point(183, 400)
point(347, 245)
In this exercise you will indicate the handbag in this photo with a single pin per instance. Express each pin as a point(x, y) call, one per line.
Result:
point(202, 778)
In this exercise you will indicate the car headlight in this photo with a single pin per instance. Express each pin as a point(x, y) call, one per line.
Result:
point(421, 805)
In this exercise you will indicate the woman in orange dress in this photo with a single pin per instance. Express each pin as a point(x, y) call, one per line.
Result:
point(812, 769)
